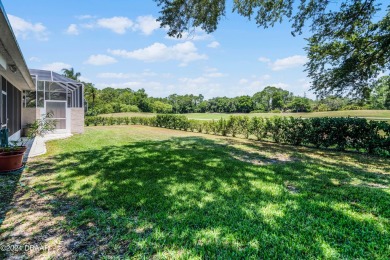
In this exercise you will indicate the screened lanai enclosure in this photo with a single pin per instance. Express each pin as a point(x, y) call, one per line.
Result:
point(60, 96)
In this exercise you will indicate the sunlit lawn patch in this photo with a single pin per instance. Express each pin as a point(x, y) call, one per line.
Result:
point(148, 192)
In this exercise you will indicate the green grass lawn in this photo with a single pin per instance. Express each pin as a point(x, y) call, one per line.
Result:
point(143, 192)
point(370, 114)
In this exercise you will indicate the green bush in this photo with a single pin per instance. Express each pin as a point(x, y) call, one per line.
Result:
point(275, 127)
point(257, 127)
point(244, 126)
point(232, 125)
point(294, 130)
point(222, 127)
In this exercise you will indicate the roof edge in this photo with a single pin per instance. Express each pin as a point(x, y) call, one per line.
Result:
point(19, 60)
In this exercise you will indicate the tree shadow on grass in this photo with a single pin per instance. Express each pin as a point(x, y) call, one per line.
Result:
point(190, 196)
point(8, 185)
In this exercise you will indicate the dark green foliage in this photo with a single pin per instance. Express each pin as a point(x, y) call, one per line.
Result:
point(172, 121)
point(257, 127)
point(213, 127)
point(206, 127)
point(344, 133)
point(270, 99)
point(233, 125)
point(294, 130)
point(222, 127)
point(275, 126)
point(300, 104)
point(244, 126)
point(349, 46)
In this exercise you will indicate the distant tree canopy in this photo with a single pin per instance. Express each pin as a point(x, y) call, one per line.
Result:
point(270, 99)
point(348, 49)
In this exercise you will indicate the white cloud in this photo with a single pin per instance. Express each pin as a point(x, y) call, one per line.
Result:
point(289, 62)
point(183, 52)
point(192, 81)
point(120, 75)
point(113, 75)
point(56, 66)
point(117, 24)
point(280, 85)
point(34, 59)
point(24, 29)
point(266, 77)
point(213, 44)
point(73, 29)
point(147, 24)
point(243, 81)
point(215, 75)
point(84, 79)
point(129, 84)
point(100, 59)
point(87, 25)
point(85, 17)
point(156, 89)
point(264, 59)
point(210, 69)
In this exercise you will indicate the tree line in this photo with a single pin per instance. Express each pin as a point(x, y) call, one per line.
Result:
point(270, 99)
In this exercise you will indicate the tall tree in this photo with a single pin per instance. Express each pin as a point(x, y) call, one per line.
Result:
point(90, 93)
point(349, 47)
point(70, 73)
point(271, 98)
point(380, 96)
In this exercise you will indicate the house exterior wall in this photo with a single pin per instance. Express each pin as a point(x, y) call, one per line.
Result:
point(77, 120)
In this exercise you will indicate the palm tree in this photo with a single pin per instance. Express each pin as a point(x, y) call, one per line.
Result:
point(69, 73)
point(90, 93)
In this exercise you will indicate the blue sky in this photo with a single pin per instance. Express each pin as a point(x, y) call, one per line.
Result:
point(119, 44)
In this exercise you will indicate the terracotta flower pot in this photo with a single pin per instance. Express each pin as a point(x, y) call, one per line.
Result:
point(10, 161)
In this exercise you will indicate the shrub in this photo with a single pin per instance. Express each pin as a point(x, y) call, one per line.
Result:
point(352, 107)
point(111, 121)
point(213, 127)
point(119, 120)
point(244, 126)
point(222, 127)
point(276, 111)
point(233, 125)
point(275, 127)
point(294, 130)
point(257, 127)
point(206, 127)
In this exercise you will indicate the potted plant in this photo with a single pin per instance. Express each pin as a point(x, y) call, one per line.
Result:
point(39, 127)
point(10, 159)
point(11, 155)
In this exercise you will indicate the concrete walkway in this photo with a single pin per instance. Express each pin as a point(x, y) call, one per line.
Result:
point(37, 146)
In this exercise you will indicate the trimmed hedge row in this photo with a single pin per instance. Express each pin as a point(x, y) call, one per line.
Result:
point(341, 133)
